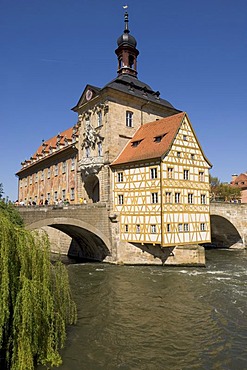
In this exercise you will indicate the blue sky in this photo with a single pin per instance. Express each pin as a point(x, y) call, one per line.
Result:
point(194, 52)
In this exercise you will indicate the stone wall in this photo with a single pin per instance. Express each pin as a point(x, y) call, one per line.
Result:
point(191, 255)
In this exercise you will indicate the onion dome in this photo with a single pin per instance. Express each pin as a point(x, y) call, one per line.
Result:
point(126, 38)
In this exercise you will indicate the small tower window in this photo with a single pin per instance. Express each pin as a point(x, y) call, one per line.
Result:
point(99, 149)
point(99, 118)
point(120, 63)
point(129, 119)
point(87, 151)
point(131, 61)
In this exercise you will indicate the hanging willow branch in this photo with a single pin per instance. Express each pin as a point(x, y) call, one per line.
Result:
point(35, 300)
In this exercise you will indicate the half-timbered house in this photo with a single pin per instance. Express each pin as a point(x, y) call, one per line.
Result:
point(161, 185)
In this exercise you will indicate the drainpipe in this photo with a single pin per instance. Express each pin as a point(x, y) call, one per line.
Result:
point(147, 102)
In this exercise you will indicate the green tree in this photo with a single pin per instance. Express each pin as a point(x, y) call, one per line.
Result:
point(11, 212)
point(35, 299)
point(222, 192)
point(214, 187)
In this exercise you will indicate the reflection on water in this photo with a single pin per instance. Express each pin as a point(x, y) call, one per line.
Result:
point(160, 317)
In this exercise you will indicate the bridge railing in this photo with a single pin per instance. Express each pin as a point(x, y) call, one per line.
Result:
point(60, 206)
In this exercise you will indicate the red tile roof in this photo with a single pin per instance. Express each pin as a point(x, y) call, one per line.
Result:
point(152, 140)
point(67, 134)
point(240, 181)
point(44, 149)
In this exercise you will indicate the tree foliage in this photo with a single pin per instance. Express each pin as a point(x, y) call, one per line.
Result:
point(223, 192)
point(35, 300)
point(10, 211)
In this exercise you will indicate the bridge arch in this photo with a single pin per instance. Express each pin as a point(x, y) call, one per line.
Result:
point(87, 242)
point(224, 232)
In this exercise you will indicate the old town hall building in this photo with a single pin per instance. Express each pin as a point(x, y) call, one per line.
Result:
point(132, 150)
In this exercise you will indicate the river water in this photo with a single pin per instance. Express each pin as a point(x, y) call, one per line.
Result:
point(153, 317)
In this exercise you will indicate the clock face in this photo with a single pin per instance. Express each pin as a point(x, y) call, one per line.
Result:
point(89, 94)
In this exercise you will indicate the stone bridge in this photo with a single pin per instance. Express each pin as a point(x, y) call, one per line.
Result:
point(80, 231)
point(229, 224)
point(90, 232)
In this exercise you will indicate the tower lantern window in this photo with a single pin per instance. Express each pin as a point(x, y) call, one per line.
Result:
point(131, 61)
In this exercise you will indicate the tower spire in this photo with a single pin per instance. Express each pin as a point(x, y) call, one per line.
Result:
point(126, 51)
point(126, 21)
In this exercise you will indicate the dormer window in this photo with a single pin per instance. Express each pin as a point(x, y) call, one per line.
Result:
point(136, 143)
point(157, 139)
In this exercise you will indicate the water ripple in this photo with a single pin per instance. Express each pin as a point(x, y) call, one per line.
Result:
point(156, 318)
